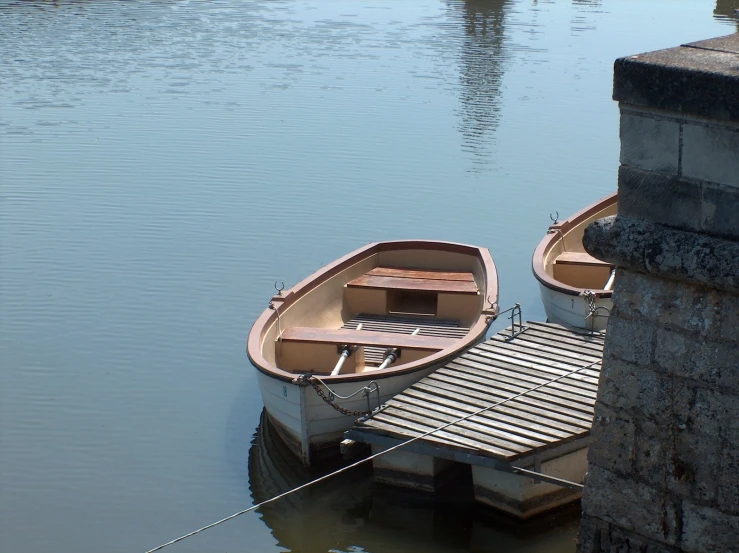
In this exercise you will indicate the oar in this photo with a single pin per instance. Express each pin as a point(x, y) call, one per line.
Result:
point(394, 353)
point(345, 353)
point(611, 278)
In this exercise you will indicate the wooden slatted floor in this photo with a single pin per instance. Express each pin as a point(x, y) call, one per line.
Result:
point(444, 328)
point(491, 372)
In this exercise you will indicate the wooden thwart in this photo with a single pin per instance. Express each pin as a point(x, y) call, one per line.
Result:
point(411, 273)
point(385, 278)
point(364, 338)
point(579, 258)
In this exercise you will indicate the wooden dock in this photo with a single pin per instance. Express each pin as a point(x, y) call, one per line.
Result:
point(542, 434)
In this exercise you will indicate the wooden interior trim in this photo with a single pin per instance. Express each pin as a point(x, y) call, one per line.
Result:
point(419, 284)
point(365, 338)
point(426, 274)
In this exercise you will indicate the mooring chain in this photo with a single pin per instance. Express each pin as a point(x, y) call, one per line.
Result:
point(590, 297)
point(330, 400)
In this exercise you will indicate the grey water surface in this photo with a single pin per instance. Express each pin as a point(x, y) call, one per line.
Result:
point(163, 162)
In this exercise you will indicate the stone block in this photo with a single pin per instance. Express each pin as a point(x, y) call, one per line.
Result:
point(730, 319)
point(631, 505)
point(727, 481)
point(714, 408)
point(669, 303)
point(711, 153)
point(684, 80)
point(720, 210)
point(646, 247)
point(641, 392)
point(649, 142)
point(671, 455)
point(612, 440)
point(629, 340)
point(589, 537)
point(705, 529)
point(712, 363)
point(623, 541)
point(659, 198)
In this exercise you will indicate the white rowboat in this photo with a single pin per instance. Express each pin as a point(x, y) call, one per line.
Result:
point(409, 305)
point(576, 288)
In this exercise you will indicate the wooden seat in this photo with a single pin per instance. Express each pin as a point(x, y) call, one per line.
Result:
point(344, 336)
point(389, 278)
point(580, 258)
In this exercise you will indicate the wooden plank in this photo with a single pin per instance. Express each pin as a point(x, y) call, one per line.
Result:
point(563, 391)
point(583, 336)
point(553, 346)
point(580, 258)
point(514, 386)
point(520, 359)
point(415, 428)
point(468, 446)
point(543, 423)
point(365, 338)
point(545, 356)
point(407, 319)
point(548, 393)
point(514, 408)
point(425, 274)
point(498, 434)
point(479, 435)
point(495, 418)
point(416, 284)
point(573, 339)
point(533, 358)
point(472, 395)
point(444, 332)
point(527, 378)
point(573, 342)
point(399, 432)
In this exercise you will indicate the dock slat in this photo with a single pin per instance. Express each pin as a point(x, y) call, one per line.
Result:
point(525, 405)
point(459, 407)
point(494, 371)
point(470, 392)
point(548, 348)
point(586, 378)
point(577, 346)
point(483, 433)
point(515, 425)
point(511, 377)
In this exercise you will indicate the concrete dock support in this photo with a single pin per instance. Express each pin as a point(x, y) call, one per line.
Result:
point(525, 497)
point(410, 470)
point(664, 456)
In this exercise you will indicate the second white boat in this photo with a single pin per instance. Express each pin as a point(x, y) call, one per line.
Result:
point(576, 288)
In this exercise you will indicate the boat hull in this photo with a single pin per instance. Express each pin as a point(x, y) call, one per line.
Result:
point(573, 311)
point(312, 428)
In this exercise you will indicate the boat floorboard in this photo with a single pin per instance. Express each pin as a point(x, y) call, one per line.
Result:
point(403, 324)
point(493, 371)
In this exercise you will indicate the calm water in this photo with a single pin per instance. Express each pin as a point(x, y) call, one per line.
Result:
point(163, 162)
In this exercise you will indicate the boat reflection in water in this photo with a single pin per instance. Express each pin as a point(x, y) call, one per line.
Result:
point(349, 513)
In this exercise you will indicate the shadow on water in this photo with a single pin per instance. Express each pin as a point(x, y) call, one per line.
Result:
point(481, 70)
point(726, 10)
point(351, 513)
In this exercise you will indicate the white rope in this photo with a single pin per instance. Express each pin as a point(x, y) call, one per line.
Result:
point(344, 469)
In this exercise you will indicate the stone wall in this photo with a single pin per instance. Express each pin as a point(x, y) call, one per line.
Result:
point(664, 457)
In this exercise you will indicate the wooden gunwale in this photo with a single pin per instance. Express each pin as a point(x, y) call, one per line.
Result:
point(476, 331)
point(551, 238)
